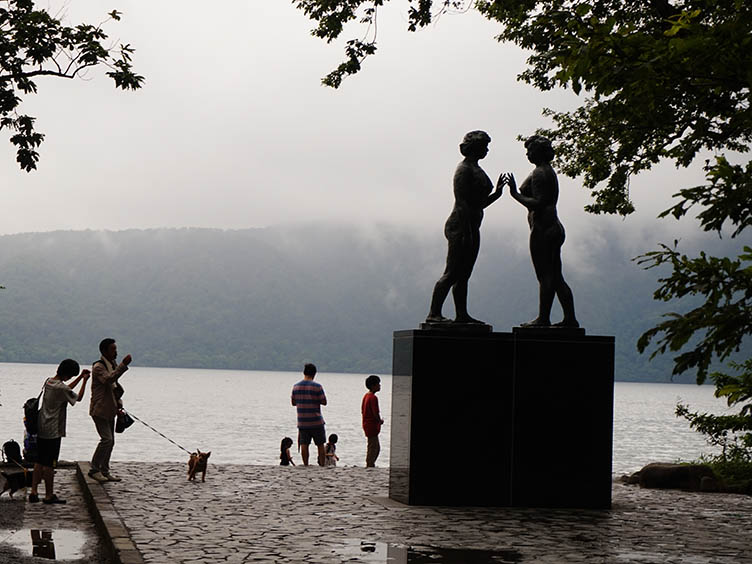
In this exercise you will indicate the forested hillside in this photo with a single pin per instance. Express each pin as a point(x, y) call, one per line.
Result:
point(275, 298)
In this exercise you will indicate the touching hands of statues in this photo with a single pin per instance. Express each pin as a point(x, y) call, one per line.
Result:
point(500, 185)
point(509, 180)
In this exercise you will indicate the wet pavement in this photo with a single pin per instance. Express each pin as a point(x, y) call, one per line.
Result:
point(299, 514)
point(60, 532)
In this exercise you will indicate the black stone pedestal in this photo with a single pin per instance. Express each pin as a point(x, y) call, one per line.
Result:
point(502, 419)
point(451, 418)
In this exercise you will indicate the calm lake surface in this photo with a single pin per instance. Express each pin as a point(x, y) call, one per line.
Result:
point(241, 416)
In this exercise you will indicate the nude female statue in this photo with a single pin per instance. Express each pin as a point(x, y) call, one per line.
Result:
point(539, 194)
point(472, 193)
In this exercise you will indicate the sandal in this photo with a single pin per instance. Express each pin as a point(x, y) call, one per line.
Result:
point(33, 498)
point(53, 499)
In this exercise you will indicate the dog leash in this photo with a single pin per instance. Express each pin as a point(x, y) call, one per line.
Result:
point(158, 433)
point(25, 470)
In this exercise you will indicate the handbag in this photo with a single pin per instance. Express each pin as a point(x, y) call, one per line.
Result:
point(122, 421)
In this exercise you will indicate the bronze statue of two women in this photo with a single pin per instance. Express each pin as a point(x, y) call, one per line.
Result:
point(472, 194)
point(539, 193)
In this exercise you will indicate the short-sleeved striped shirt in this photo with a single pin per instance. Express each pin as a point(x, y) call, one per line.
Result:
point(308, 397)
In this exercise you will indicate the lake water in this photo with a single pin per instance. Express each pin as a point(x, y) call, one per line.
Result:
point(241, 416)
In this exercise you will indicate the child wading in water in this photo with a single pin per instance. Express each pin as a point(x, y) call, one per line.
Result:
point(331, 450)
point(372, 420)
point(284, 455)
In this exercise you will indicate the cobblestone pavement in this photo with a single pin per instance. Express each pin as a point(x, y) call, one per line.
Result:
point(299, 514)
point(73, 532)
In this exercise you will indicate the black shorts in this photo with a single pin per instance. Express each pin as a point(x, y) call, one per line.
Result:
point(318, 434)
point(48, 451)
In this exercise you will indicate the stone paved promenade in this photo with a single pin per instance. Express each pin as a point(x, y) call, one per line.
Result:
point(73, 532)
point(298, 514)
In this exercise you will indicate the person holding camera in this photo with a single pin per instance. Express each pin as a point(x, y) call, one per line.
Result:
point(106, 392)
point(53, 414)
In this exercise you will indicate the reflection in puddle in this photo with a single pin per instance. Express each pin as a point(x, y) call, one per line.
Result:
point(60, 544)
point(388, 553)
point(650, 557)
point(42, 544)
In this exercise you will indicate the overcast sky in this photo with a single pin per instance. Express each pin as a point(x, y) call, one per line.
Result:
point(233, 129)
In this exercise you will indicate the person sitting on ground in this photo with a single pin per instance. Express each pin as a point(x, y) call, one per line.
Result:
point(285, 459)
point(52, 418)
point(331, 451)
point(372, 421)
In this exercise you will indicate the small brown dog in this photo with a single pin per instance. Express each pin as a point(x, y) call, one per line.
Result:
point(197, 463)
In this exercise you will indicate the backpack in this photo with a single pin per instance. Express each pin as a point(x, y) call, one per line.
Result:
point(12, 452)
point(31, 413)
point(30, 452)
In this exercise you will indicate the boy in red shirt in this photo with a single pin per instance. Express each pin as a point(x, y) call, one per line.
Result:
point(372, 420)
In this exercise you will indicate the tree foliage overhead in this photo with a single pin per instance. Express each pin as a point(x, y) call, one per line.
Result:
point(665, 80)
point(34, 44)
point(662, 80)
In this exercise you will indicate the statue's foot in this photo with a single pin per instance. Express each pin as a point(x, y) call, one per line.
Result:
point(567, 323)
point(537, 322)
point(437, 319)
point(468, 319)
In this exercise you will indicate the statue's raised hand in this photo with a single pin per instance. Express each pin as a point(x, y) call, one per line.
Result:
point(509, 179)
point(501, 181)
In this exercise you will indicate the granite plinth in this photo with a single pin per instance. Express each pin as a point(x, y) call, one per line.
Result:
point(549, 331)
point(451, 418)
point(455, 326)
point(502, 419)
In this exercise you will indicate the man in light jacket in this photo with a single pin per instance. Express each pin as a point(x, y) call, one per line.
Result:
point(105, 402)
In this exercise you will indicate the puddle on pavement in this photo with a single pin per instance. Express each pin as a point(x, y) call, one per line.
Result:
point(52, 544)
point(651, 557)
point(355, 550)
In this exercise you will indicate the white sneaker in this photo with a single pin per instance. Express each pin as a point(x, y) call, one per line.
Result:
point(111, 478)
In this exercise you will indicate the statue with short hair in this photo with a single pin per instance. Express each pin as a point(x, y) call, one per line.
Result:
point(539, 194)
point(472, 194)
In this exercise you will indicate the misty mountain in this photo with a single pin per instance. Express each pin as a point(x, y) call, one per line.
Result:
point(274, 298)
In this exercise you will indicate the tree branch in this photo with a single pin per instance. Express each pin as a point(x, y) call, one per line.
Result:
point(40, 72)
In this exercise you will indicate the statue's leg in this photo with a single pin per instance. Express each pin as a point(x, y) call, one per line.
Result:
point(566, 299)
point(545, 299)
point(459, 290)
point(441, 289)
point(541, 256)
point(459, 294)
point(440, 292)
point(564, 293)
